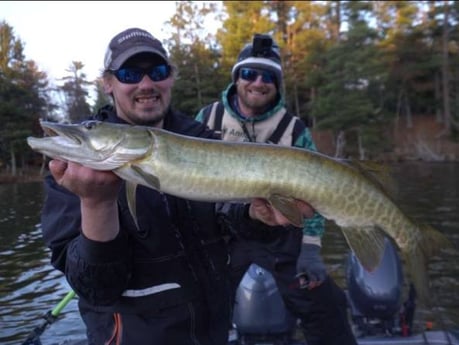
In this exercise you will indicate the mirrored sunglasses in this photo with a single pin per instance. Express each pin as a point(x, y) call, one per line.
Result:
point(251, 74)
point(133, 75)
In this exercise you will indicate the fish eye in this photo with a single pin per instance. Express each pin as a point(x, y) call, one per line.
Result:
point(89, 124)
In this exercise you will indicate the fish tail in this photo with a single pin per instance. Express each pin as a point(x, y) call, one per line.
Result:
point(430, 243)
point(417, 273)
point(433, 241)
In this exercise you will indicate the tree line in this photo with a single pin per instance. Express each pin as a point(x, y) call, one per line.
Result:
point(356, 68)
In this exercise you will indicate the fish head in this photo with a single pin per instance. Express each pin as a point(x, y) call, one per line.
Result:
point(95, 144)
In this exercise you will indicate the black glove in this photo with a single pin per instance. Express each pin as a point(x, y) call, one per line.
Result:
point(310, 263)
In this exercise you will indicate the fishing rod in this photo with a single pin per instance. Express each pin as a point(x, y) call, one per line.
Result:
point(50, 317)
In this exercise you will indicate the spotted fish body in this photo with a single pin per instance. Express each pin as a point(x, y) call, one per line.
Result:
point(219, 171)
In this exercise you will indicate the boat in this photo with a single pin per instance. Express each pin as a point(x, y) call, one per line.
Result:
point(378, 313)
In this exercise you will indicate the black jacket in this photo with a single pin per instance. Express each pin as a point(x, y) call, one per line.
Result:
point(177, 256)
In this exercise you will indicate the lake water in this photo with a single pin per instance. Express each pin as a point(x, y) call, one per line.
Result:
point(30, 287)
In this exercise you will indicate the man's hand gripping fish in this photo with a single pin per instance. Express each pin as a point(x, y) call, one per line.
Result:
point(219, 171)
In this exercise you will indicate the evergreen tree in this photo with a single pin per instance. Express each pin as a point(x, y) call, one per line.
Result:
point(243, 20)
point(349, 101)
point(75, 92)
point(193, 52)
point(23, 98)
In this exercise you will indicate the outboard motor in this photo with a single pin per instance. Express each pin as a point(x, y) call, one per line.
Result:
point(375, 300)
point(375, 297)
point(259, 312)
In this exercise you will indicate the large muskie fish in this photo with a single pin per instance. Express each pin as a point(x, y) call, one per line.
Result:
point(218, 171)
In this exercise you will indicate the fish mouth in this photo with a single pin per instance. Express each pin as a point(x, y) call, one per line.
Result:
point(48, 132)
point(92, 144)
point(55, 130)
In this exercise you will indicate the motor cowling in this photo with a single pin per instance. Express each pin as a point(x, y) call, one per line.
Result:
point(259, 308)
point(376, 294)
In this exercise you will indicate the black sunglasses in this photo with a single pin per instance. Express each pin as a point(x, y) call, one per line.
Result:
point(133, 75)
point(251, 74)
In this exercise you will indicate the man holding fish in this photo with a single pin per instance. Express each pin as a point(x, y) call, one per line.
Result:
point(158, 275)
point(149, 263)
point(252, 109)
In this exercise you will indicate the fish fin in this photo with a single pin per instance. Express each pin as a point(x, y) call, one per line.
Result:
point(151, 180)
point(433, 241)
point(131, 201)
point(367, 243)
point(378, 173)
point(416, 258)
point(287, 206)
point(416, 265)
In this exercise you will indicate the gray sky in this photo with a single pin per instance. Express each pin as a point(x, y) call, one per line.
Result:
point(55, 33)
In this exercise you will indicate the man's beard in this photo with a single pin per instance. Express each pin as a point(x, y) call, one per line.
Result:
point(152, 122)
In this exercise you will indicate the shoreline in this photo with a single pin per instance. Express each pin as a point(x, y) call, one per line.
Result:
point(35, 176)
point(7, 178)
